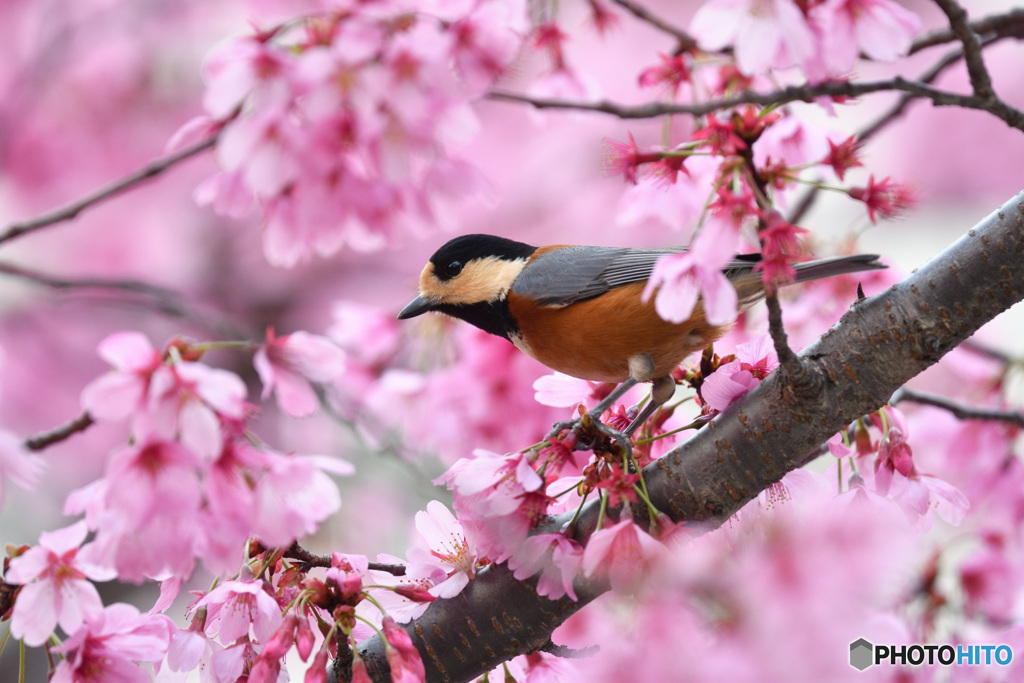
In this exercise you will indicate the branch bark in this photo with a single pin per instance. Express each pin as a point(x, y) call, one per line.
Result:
point(853, 369)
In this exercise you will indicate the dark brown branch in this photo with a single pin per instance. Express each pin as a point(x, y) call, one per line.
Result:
point(880, 343)
point(70, 211)
point(297, 552)
point(685, 40)
point(1007, 25)
point(1014, 417)
point(981, 82)
point(797, 93)
point(57, 434)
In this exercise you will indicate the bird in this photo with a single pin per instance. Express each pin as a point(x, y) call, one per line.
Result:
point(580, 310)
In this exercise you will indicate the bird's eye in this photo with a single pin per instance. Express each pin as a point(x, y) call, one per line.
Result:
point(453, 268)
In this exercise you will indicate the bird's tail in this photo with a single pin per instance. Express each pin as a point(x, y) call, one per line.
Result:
point(837, 265)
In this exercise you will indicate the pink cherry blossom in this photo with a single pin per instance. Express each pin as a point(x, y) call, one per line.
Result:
point(881, 29)
point(288, 364)
point(886, 198)
point(562, 391)
point(754, 360)
point(55, 586)
point(145, 510)
point(678, 280)
point(234, 609)
point(342, 126)
point(442, 543)
point(498, 498)
point(622, 553)
point(294, 495)
point(110, 643)
point(188, 401)
point(115, 395)
point(553, 556)
point(405, 661)
point(764, 34)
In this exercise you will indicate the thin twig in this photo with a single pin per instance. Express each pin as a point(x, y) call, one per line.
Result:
point(70, 211)
point(57, 434)
point(1011, 116)
point(1014, 417)
point(297, 552)
point(981, 82)
point(1009, 24)
point(787, 358)
point(686, 41)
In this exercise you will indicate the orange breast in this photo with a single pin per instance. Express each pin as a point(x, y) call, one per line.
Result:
point(594, 339)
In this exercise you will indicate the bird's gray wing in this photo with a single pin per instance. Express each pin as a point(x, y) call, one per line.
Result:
point(564, 276)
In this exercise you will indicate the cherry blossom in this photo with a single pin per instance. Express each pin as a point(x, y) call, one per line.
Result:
point(679, 279)
point(56, 590)
point(443, 544)
point(109, 644)
point(622, 553)
point(288, 364)
point(881, 29)
point(236, 609)
point(765, 34)
point(754, 360)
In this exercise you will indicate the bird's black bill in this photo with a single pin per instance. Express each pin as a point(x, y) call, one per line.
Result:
point(417, 306)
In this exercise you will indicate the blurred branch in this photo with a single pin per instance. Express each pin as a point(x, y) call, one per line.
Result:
point(1007, 25)
point(989, 352)
point(165, 300)
point(686, 41)
point(855, 368)
point(1012, 116)
point(57, 434)
point(981, 81)
point(1014, 417)
point(70, 211)
point(169, 298)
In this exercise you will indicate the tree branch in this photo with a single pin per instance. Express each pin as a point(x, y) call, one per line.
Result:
point(981, 82)
point(959, 410)
point(853, 369)
point(1007, 25)
point(685, 40)
point(70, 211)
point(795, 93)
point(57, 434)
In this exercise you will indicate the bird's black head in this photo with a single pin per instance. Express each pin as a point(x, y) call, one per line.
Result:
point(468, 278)
point(450, 260)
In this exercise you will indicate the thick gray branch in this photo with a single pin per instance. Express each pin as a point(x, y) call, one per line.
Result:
point(882, 342)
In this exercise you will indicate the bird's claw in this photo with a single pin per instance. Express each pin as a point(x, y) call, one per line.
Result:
point(593, 434)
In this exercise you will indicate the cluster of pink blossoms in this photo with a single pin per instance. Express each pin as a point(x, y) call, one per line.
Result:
point(341, 125)
point(191, 485)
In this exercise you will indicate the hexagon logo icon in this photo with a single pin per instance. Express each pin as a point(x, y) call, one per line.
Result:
point(861, 654)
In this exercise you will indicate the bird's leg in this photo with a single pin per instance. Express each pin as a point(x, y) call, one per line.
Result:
point(641, 369)
point(662, 390)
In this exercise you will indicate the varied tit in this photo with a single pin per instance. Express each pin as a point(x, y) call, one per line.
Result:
point(579, 310)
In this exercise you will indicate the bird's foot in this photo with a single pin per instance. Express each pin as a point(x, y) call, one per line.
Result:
point(594, 435)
